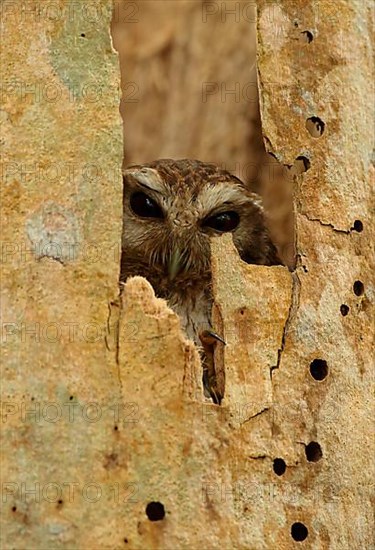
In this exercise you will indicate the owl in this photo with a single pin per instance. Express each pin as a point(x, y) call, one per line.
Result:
point(171, 210)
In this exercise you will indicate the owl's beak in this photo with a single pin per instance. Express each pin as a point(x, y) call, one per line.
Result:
point(209, 337)
point(174, 264)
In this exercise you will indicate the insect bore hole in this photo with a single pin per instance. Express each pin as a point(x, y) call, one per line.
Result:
point(319, 369)
point(344, 310)
point(155, 511)
point(313, 452)
point(299, 531)
point(305, 161)
point(315, 126)
point(358, 226)
point(358, 288)
point(307, 36)
point(279, 466)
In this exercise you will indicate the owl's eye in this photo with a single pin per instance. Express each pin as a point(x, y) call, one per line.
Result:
point(145, 207)
point(223, 222)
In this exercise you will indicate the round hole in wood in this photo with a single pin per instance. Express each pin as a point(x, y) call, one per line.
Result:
point(279, 466)
point(313, 452)
point(318, 369)
point(155, 511)
point(299, 531)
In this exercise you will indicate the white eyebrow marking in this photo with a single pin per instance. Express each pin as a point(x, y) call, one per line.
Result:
point(212, 197)
point(146, 177)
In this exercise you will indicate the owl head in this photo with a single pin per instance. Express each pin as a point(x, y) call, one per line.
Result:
point(172, 208)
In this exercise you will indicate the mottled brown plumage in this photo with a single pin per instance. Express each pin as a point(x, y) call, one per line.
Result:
point(171, 210)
